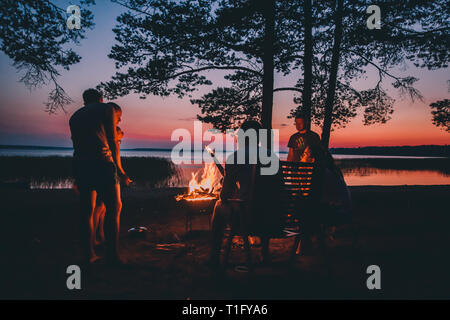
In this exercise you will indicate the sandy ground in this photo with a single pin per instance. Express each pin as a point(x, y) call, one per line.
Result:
point(404, 230)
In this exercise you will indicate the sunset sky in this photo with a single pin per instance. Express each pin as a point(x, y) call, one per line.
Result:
point(149, 123)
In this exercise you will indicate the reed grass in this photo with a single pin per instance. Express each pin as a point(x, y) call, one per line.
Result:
point(54, 170)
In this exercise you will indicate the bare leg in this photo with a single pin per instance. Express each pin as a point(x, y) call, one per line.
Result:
point(99, 216)
point(113, 204)
point(218, 223)
point(88, 199)
point(101, 228)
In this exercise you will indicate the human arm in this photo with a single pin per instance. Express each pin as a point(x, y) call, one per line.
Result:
point(113, 142)
point(291, 146)
point(290, 156)
point(229, 182)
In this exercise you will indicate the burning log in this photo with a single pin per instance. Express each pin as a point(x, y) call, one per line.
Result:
point(202, 193)
point(205, 188)
point(197, 196)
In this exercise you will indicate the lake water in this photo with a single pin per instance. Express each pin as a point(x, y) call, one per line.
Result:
point(353, 177)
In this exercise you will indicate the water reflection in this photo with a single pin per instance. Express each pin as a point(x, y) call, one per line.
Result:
point(391, 177)
point(364, 176)
point(357, 172)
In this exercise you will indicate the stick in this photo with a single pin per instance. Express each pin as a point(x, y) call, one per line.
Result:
point(216, 161)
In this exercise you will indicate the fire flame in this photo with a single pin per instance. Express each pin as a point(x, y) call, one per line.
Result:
point(207, 187)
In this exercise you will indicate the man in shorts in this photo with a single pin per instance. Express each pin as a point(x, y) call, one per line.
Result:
point(98, 170)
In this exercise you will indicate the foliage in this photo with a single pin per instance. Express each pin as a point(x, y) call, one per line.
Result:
point(408, 29)
point(441, 114)
point(170, 46)
point(33, 33)
point(167, 47)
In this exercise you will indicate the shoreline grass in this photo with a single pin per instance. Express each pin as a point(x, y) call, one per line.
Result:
point(54, 170)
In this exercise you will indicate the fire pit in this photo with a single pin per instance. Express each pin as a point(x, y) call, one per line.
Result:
point(193, 208)
point(202, 193)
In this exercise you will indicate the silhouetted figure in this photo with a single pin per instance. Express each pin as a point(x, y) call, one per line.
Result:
point(332, 204)
point(98, 169)
point(100, 208)
point(335, 197)
point(244, 186)
point(300, 143)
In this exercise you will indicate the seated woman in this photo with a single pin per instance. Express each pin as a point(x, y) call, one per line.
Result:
point(334, 201)
point(335, 193)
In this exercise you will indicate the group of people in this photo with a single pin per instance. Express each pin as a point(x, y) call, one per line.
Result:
point(98, 173)
point(246, 190)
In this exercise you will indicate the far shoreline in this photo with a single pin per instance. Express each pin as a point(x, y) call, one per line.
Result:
point(388, 151)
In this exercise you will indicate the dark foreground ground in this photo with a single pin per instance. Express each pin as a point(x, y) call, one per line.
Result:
point(404, 230)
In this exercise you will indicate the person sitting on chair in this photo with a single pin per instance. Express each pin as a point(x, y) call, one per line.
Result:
point(246, 191)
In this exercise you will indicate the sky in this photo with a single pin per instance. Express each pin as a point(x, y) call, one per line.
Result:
point(149, 123)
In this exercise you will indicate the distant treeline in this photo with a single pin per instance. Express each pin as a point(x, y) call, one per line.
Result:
point(19, 147)
point(419, 151)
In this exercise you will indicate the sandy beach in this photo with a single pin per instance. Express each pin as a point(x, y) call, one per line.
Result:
point(404, 230)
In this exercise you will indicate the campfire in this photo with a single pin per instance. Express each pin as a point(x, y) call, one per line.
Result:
point(205, 184)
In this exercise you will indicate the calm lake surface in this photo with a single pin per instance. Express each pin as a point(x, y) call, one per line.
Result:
point(356, 176)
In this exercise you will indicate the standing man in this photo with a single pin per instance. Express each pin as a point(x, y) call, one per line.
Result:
point(305, 146)
point(245, 188)
point(304, 142)
point(98, 170)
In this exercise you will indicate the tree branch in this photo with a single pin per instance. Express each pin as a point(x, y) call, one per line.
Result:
point(130, 7)
point(380, 69)
point(212, 68)
point(418, 33)
point(288, 89)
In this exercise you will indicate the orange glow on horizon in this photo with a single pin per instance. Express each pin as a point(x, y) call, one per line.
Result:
point(150, 124)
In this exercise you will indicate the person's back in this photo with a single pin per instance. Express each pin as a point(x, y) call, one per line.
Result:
point(236, 173)
point(88, 127)
point(246, 183)
point(266, 202)
point(261, 192)
point(334, 192)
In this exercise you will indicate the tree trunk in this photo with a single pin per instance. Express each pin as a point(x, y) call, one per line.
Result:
point(307, 61)
point(268, 65)
point(329, 103)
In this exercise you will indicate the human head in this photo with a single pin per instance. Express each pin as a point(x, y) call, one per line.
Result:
point(91, 96)
point(301, 122)
point(251, 124)
point(117, 112)
point(246, 130)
